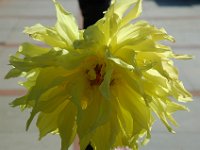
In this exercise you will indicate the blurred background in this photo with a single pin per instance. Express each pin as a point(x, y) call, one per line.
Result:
point(181, 19)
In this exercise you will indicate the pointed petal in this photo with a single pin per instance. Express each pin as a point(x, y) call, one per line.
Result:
point(47, 35)
point(67, 125)
point(66, 25)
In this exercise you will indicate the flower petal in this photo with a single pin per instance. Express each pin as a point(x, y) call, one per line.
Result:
point(66, 25)
point(46, 35)
point(67, 125)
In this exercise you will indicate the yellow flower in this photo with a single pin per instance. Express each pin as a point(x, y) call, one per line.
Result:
point(102, 83)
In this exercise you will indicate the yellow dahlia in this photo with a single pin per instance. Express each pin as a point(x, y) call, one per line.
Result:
point(102, 83)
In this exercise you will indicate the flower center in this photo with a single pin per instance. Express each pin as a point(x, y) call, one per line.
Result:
point(95, 75)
